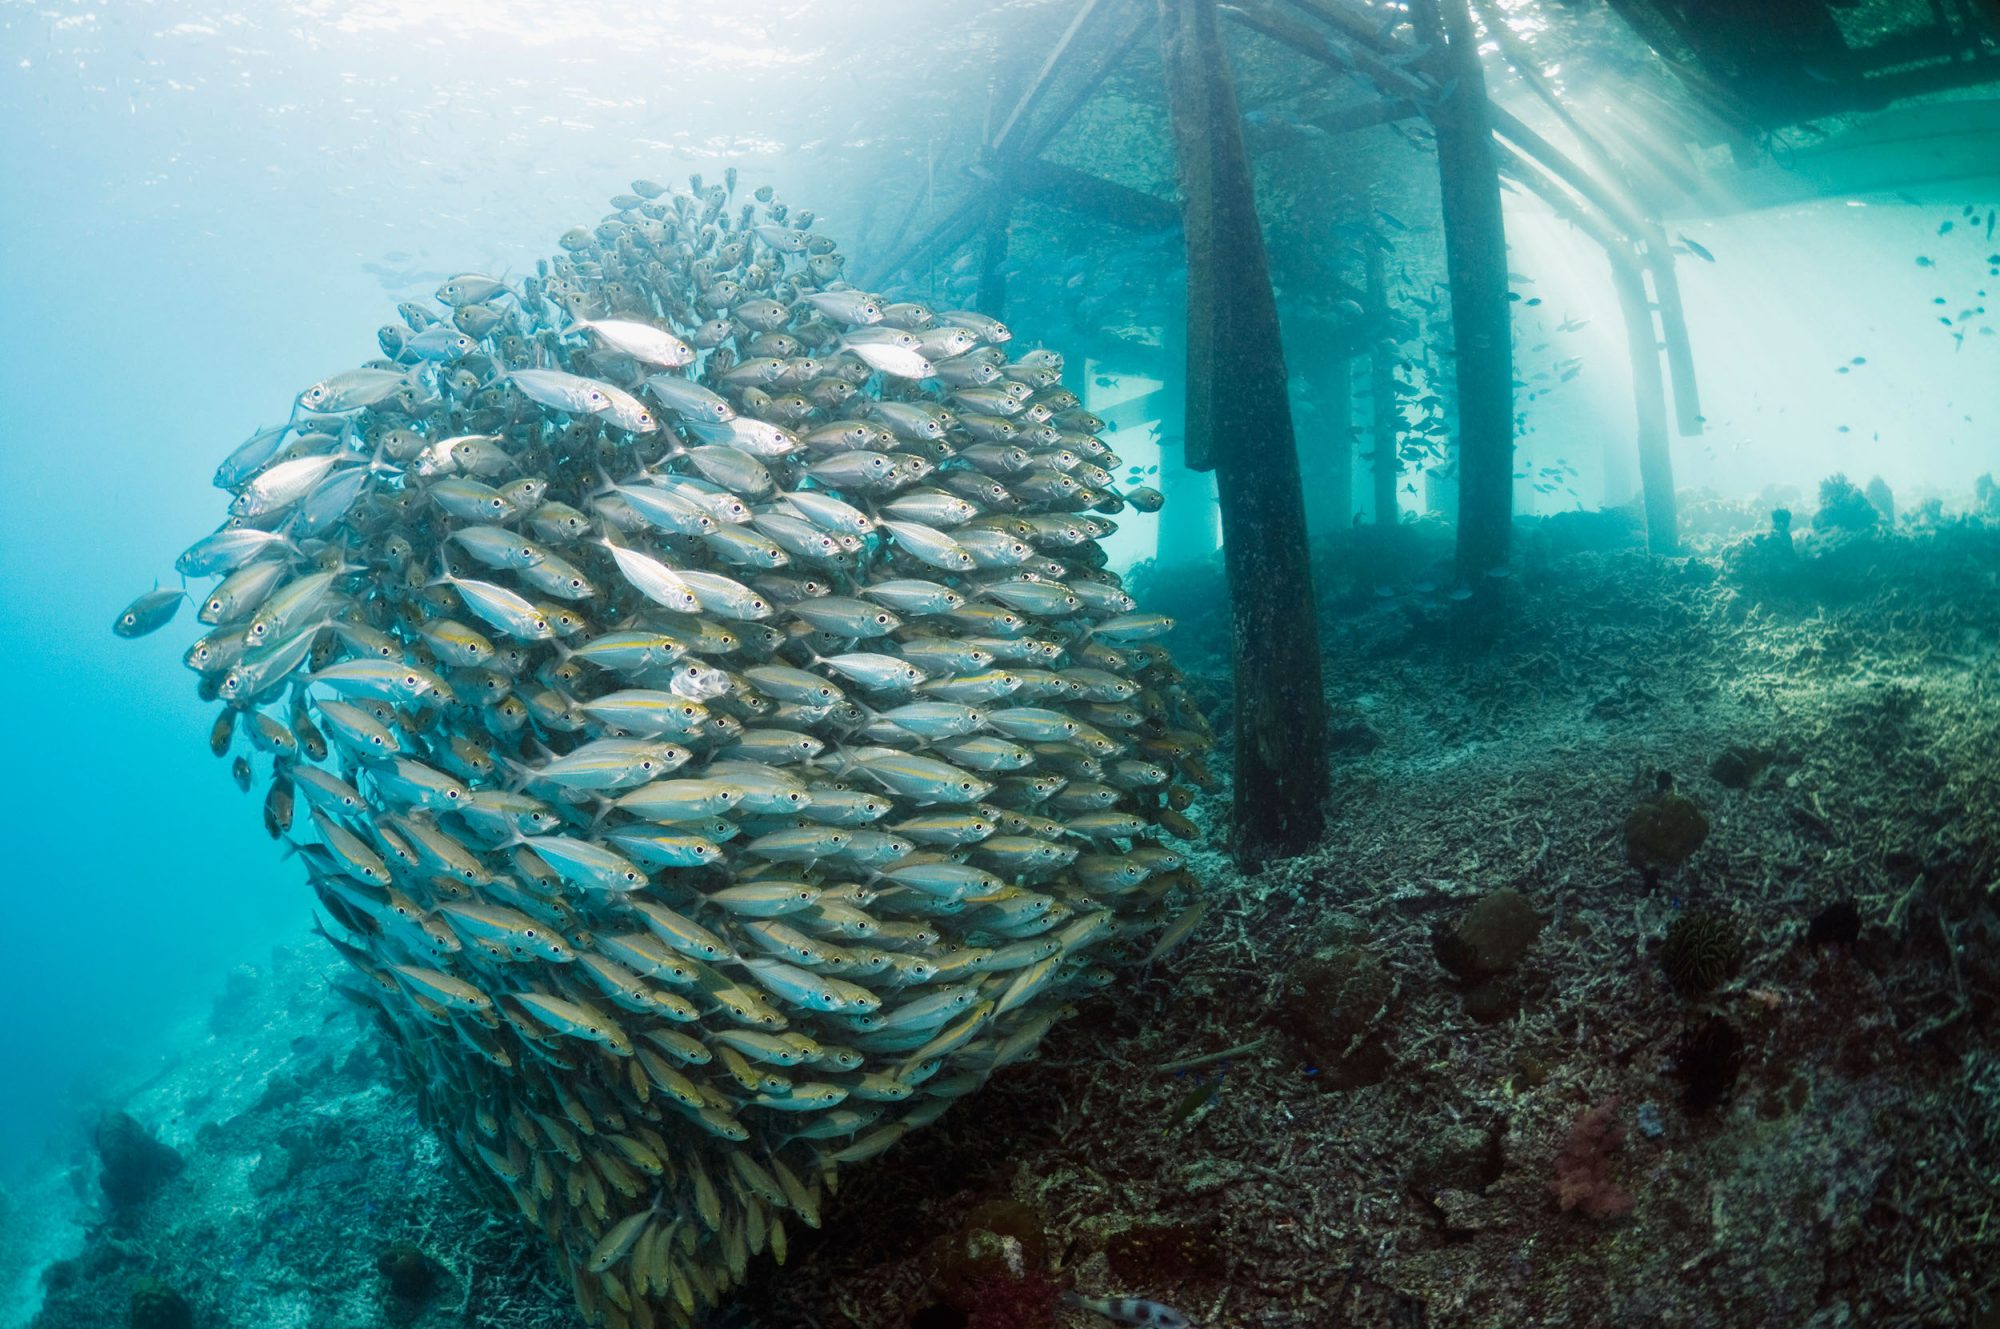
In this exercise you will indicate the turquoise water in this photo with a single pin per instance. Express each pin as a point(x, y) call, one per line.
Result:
point(207, 210)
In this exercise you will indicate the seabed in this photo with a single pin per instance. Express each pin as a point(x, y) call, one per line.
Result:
point(1443, 1071)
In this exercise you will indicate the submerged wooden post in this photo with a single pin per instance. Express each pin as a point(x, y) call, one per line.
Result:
point(992, 298)
point(1321, 362)
point(1327, 466)
point(1384, 408)
point(1187, 522)
point(1239, 423)
point(1649, 402)
point(1476, 257)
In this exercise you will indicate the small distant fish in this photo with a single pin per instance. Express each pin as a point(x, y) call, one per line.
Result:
point(1925, 261)
point(1699, 251)
point(1131, 1310)
point(150, 612)
point(1191, 1104)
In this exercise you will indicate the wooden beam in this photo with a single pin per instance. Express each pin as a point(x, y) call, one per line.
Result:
point(1239, 422)
point(1649, 404)
point(1365, 115)
point(1019, 138)
point(1264, 17)
point(1096, 67)
point(1364, 30)
point(1366, 57)
point(1640, 222)
point(1091, 195)
point(944, 235)
point(1039, 86)
point(1674, 176)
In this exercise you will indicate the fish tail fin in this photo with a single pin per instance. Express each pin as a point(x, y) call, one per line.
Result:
point(522, 774)
point(444, 576)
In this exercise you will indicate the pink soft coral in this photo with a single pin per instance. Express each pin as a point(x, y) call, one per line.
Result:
point(1583, 1168)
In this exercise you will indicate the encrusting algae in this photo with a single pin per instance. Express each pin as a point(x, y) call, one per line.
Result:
point(720, 741)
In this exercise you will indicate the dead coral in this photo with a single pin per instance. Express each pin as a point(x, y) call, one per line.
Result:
point(1843, 1180)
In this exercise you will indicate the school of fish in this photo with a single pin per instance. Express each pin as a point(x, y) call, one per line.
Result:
point(695, 692)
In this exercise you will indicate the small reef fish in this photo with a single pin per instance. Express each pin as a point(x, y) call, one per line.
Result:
point(1131, 1310)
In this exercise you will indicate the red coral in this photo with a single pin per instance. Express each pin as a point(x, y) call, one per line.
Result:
point(1583, 1168)
point(1028, 1302)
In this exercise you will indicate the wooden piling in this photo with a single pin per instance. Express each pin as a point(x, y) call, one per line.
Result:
point(1476, 258)
point(992, 297)
point(1239, 422)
